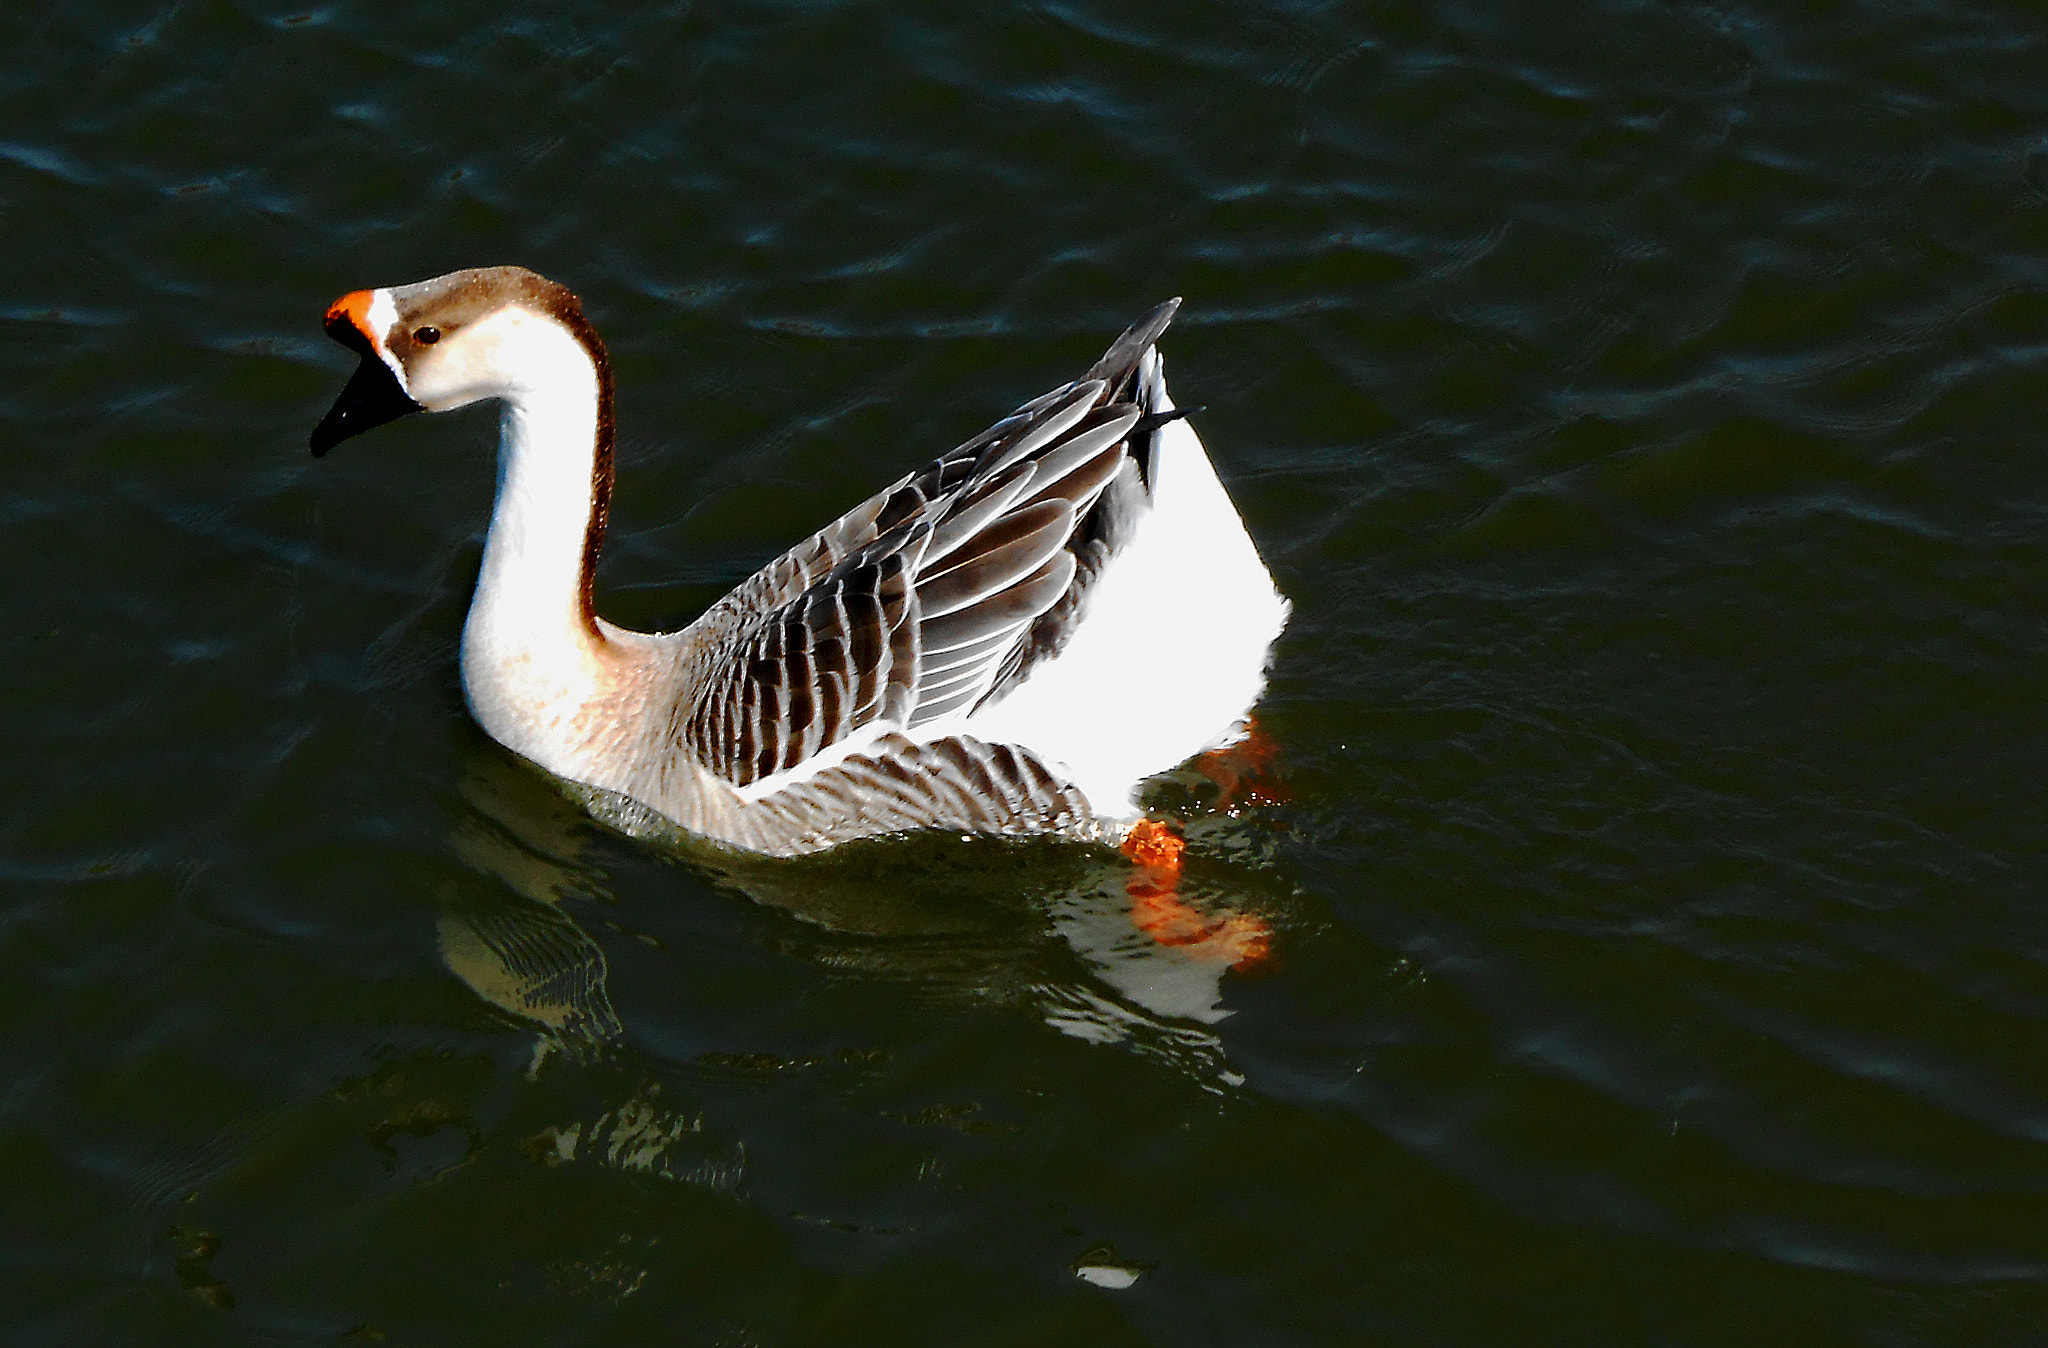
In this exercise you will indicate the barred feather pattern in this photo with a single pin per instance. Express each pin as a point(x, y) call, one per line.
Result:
point(899, 785)
point(932, 597)
point(549, 970)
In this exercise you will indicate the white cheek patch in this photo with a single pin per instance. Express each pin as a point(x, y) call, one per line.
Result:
point(381, 318)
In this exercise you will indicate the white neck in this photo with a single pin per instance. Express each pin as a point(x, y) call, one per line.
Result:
point(531, 657)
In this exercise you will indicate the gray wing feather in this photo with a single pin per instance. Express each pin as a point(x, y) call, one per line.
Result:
point(936, 593)
point(1100, 432)
point(978, 508)
point(900, 785)
point(1120, 362)
point(1002, 554)
point(1048, 425)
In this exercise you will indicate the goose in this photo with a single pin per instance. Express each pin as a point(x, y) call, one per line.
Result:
point(1009, 640)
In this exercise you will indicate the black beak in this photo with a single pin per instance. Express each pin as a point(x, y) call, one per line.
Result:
point(371, 398)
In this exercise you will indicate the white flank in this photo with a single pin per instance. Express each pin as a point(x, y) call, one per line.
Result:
point(1172, 652)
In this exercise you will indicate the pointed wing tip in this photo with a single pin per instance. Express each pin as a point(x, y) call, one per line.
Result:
point(1161, 314)
point(1154, 322)
point(1123, 353)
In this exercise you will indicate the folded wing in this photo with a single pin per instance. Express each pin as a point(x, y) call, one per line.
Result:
point(934, 594)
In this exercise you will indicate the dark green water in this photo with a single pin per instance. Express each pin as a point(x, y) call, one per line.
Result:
point(1642, 403)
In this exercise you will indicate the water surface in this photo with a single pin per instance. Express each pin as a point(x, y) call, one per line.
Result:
point(1641, 405)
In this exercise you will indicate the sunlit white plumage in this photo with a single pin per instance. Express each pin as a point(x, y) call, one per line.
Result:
point(1009, 640)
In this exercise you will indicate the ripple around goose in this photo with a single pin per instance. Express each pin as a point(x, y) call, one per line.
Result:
point(1009, 640)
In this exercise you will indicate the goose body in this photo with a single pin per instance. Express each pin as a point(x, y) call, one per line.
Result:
point(1009, 640)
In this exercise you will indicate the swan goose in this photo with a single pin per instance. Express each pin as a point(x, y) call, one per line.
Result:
point(1009, 640)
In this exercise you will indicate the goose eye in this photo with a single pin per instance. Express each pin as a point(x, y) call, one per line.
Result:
point(426, 336)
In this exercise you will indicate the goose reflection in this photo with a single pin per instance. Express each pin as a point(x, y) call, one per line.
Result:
point(1100, 948)
point(522, 952)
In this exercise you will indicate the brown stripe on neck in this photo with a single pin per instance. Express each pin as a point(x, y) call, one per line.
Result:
point(562, 303)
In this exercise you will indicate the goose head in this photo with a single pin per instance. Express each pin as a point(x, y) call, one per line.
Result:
point(433, 346)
